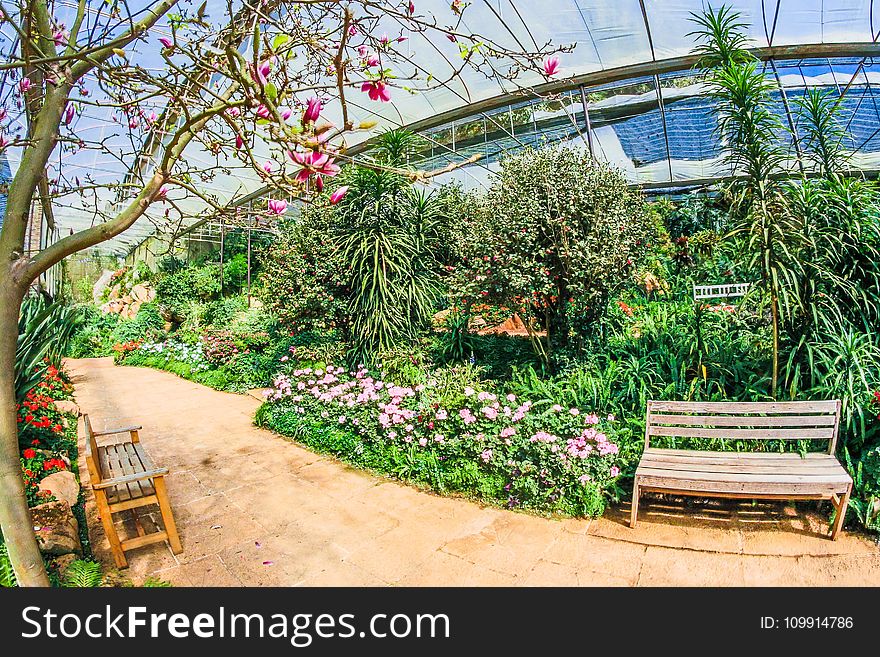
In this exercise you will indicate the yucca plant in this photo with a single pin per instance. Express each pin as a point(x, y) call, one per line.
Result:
point(44, 331)
point(384, 234)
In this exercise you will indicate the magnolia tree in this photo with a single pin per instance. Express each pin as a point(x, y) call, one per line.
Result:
point(189, 95)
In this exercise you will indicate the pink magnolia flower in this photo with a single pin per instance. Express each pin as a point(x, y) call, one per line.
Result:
point(60, 36)
point(162, 193)
point(352, 30)
point(384, 40)
point(338, 195)
point(411, 8)
point(551, 66)
point(452, 38)
point(314, 162)
point(313, 111)
point(239, 141)
point(277, 207)
point(377, 90)
point(165, 41)
point(69, 113)
point(151, 118)
point(263, 112)
point(133, 123)
point(24, 84)
point(372, 60)
point(233, 112)
point(263, 70)
point(267, 166)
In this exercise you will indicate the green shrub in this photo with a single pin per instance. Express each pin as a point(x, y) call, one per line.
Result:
point(147, 325)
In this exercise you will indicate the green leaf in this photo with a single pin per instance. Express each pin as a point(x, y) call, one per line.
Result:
point(279, 41)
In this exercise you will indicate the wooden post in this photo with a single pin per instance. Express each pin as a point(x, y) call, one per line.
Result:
point(634, 516)
point(249, 261)
point(167, 516)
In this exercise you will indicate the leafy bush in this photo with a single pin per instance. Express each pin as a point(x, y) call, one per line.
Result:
point(559, 235)
point(146, 325)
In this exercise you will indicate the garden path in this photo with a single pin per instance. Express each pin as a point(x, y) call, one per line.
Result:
point(256, 509)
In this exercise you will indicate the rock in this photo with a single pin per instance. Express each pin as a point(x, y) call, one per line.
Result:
point(62, 563)
point(115, 292)
point(62, 485)
point(101, 284)
point(112, 307)
point(67, 406)
point(56, 528)
point(143, 292)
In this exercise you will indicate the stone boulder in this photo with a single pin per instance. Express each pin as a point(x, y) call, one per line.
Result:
point(143, 292)
point(101, 284)
point(67, 406)
point(56, 528)
point(62, 485)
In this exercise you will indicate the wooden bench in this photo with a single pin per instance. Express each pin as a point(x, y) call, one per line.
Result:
point(749, 475)
point(124, 478)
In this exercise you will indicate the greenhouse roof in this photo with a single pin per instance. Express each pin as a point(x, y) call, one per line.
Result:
point(630, 63)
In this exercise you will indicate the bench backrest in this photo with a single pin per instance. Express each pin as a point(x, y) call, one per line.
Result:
point(92, 460)
point(799, 420)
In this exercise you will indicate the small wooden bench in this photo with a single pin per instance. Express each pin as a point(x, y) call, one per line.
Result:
point(124, 478)
point(749, 475)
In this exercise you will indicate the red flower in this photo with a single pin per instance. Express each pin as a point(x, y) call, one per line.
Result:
point(28, 418)
point(29, 453)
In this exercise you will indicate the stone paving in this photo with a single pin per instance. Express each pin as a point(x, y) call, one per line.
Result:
point(255, 509)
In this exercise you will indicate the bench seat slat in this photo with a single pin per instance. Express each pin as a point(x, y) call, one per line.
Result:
point(726, 433)
point(757, 489)
point(731, 408)
point(744, 477)
point(744, 420)
point(751, 466)
point(783, 458)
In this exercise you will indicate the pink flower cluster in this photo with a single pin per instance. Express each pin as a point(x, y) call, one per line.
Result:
point(582, 446)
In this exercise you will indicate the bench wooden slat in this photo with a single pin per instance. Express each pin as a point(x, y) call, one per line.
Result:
point(754, 489)
point(782, 433)
point(783, 458)
point(744, 420)
point(791, 408)
point(811, 467)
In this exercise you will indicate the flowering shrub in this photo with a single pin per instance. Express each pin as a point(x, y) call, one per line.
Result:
point(497, 447)
point(219, 347)
point(175, 350)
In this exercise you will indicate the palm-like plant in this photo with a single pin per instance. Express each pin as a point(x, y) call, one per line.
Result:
point(384, 233)
point(44, 331)
point(751, 133)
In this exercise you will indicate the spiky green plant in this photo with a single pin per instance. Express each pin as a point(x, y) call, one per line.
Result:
point(7, 575)
point(44, 331)
point(83, 575)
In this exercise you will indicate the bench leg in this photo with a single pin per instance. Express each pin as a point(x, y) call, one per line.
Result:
point(167, 516)
point(110, 529)
point(635, 505)
point(841, 514)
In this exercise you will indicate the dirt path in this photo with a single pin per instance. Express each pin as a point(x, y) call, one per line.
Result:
point(255, 509)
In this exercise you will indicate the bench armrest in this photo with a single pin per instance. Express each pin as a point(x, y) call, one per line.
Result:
point(127, 479)
point(109, 432)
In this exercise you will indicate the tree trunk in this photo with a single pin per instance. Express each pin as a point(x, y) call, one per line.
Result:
point(15, 518)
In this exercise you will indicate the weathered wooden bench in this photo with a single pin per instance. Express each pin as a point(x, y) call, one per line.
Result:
point(123, 478)
point(749, 475)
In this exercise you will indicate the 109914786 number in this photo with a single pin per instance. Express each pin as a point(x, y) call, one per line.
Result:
point(817, 622)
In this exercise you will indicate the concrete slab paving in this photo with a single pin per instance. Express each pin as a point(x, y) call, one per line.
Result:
point(255, 509)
